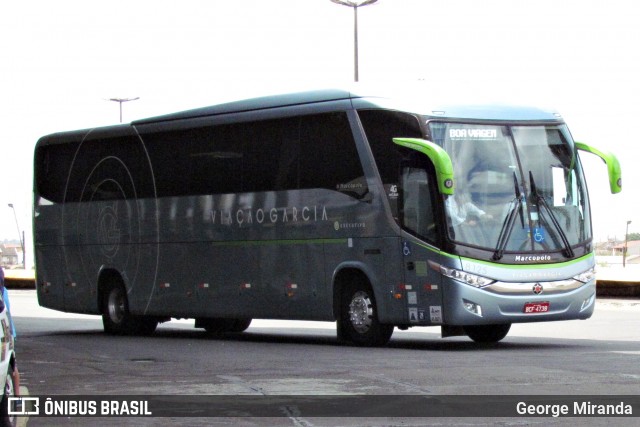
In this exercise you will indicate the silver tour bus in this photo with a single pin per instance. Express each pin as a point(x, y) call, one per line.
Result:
point(322, 205)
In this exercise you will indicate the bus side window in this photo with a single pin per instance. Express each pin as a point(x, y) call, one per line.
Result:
point(417, 214)
point(299, 152)
point(330, 159)
point(380, 127)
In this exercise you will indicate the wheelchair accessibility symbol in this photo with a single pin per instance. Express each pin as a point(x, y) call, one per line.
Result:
point(406, 250)
point(538, 235)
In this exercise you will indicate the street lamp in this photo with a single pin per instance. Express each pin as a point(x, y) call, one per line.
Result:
point(20, 236)
point(626, 239)
point(355, 4)
point(120, 101)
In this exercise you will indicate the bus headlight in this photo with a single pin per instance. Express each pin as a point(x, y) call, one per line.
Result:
point(587, 276)
point(466, 278)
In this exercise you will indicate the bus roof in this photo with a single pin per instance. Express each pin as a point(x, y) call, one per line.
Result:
point(419, 103)
point(255, 104)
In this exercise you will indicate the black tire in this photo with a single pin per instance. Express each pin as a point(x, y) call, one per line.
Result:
point(487, 333)
point(240, 325)
point(116, 318)
point(219, 326)
point(358, 322)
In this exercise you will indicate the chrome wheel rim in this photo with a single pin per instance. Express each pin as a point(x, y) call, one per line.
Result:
point(361, 312)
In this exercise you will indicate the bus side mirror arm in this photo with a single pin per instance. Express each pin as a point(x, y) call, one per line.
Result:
point(439, 158)
point(613, 165)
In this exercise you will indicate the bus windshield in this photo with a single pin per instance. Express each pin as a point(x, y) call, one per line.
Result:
point(518, 188)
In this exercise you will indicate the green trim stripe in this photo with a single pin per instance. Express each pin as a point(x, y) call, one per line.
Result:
point(529, 266)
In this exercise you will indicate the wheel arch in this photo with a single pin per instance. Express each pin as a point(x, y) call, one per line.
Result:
point(106, 278)
point(345, 275)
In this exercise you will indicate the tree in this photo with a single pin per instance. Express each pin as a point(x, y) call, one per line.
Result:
point(633, 236)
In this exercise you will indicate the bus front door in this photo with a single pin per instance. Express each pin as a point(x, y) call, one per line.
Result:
point(423, 286)
point(417, 217)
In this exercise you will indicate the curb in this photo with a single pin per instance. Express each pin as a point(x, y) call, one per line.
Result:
point(615, 288)
point(18, 283)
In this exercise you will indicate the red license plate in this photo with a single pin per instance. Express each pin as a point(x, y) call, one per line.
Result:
point(536, 307)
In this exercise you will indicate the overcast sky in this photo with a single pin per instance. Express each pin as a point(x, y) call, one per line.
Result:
point(62, 60)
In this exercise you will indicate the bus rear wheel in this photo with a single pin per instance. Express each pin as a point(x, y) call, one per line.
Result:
point(116, 318)
point(358, 322)
point(487, 333)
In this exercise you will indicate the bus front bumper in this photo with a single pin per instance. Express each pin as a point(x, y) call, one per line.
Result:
point(468, 305)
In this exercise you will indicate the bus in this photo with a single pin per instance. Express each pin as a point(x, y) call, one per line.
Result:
point(326, 205)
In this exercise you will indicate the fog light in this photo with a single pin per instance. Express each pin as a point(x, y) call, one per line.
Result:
point(472, 307)
point(587, 303)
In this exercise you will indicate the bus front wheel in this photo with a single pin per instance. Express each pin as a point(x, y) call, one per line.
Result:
point(487, 333)
point(116, 318)
point(358, 322)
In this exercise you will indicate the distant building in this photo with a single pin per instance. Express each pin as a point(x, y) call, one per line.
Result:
point(606, 248)
point(11, 255)
point(633, 251)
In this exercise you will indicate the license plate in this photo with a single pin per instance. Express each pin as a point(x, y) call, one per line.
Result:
point(536, 307)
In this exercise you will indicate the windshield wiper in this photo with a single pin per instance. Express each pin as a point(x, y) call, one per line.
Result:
point(541, 202)
point(507, 225)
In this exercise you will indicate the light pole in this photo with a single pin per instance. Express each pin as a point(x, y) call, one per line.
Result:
point(20, 236)
point(355, 4)
point(120, 101)
point(626, 239)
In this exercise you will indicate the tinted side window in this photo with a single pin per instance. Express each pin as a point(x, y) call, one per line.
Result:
point(194, 160)
point(92, 170)
point(380, 127)
point(316, 151)
point(329, 157)
point(51, 170)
